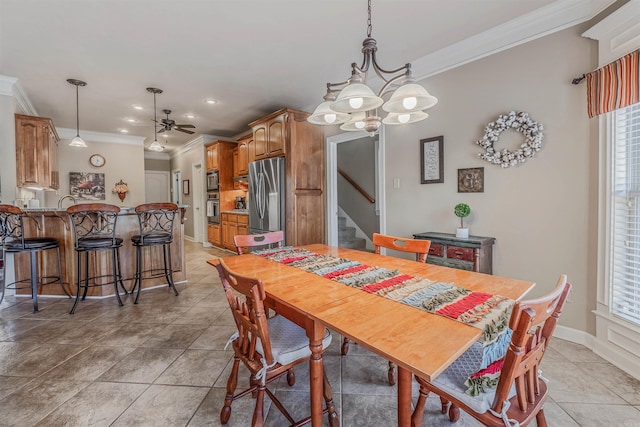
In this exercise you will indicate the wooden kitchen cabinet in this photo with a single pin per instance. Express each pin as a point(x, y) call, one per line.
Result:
point(36, 152)
point(473, 254)
point(244, 144)
point(214, 236)
point(231, 225)
point(287, 133)
point(219, 157)
point(212, 157)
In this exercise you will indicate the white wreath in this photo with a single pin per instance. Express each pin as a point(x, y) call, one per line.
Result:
point(519, 121)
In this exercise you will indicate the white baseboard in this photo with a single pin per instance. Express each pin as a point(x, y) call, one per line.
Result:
point(189, 238)
point(575, 336)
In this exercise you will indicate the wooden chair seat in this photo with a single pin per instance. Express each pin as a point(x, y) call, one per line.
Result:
point(245, 241)
point(418, 246)
point(521, 392)
point(269, 348)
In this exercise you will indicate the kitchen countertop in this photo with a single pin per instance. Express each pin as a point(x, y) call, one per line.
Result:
point(123, 209)
point(237, 211)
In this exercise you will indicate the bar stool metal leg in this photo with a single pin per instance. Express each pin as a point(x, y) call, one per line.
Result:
point(34, 280)
point(79, 278)
point(116, 277)
point(60, 274)
point(168, 271)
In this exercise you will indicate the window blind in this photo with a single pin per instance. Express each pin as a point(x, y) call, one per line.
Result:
point(625, 286)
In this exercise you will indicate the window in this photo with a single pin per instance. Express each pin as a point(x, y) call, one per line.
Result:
point(625, 227)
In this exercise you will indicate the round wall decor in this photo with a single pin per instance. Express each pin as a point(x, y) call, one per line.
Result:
point(519, 121)
point(97, 160)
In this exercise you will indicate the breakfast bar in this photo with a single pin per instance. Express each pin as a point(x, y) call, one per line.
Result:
point(51, 222)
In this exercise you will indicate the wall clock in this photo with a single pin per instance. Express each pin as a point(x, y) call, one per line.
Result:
point(97, 161)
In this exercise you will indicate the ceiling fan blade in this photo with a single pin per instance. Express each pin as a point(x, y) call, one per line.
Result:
point(162, 130)
point(186, 126)
point(184, 130)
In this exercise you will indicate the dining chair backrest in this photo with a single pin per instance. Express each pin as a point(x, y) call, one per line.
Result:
point(246, 299)
point(93, 221)
point(418, 246)
point(11, 225)
point(243, 242)
point(156, 220)
point(533, 323)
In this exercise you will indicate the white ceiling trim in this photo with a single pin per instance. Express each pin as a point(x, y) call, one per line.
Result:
point(538, 23)
point(198, 142)
point(10, 86)
point(90, 136)
point(156, 156)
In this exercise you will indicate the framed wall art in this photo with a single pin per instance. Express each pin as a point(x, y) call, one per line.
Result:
point(185, 187)
point(432, 160)
point(471, 180)
point(86, 185)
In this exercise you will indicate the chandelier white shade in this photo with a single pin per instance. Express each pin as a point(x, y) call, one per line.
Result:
point(77, 141)
point(405, 103)
point(155, 145)
point(324, 115)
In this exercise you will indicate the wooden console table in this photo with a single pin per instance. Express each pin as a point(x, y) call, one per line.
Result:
point(472, 254)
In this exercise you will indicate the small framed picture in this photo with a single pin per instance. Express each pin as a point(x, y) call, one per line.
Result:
point(185, 187)
point(471, 180)
point(432, 160)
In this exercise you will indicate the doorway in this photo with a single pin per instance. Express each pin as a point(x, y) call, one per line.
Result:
point(198, 202)
point(332, 181)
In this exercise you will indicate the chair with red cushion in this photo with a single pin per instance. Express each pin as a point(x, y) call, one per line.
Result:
point(520, 393)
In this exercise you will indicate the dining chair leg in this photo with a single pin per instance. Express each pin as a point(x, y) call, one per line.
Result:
point(258, 412)
point(232, 383)
point(392, 374)
point(444, 405)
point(327, 391)
point(540, 418)
point(418, 412)
point(291, 377)
point(345, 346)
point(34, 281)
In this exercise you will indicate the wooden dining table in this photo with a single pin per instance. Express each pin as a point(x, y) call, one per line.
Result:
point(418, 342)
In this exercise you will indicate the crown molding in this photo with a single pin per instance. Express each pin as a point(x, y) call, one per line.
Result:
point(153, 155)
point(10, 86)
point(112, 138)
point(617, 34)
point(546, 20)
point(198, 142)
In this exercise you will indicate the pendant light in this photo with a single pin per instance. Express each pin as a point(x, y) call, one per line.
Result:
point(77, 141)
point(155, 145)
point(347, 102)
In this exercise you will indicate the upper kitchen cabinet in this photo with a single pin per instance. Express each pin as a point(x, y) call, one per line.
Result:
point(244, 144)
point(269, 134)
point(36, 153)
point(212, 157)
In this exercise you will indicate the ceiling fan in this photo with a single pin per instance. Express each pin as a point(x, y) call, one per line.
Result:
point(169, 124)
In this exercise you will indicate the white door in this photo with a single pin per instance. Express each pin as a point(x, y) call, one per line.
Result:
point(198, 201)
point(156, 186)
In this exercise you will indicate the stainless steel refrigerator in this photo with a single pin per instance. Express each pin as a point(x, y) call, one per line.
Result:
point(266, 195)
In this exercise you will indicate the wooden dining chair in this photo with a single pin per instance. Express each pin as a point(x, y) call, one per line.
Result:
point(418, 246)
point(521, 391)
point(245, 241)
point(268, 347)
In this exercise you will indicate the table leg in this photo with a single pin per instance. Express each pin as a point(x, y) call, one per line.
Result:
point(404, 397)
point(315, 332)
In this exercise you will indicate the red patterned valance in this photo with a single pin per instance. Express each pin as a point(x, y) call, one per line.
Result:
point(614, 86)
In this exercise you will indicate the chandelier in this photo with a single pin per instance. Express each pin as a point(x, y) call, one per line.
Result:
point(77, 141)
point(354, 105)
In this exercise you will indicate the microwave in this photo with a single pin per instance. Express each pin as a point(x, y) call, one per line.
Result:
point(213, 184)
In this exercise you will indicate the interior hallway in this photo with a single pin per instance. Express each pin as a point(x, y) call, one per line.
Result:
point(163, 363)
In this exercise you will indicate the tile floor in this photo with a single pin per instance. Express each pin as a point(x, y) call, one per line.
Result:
point(162, 363)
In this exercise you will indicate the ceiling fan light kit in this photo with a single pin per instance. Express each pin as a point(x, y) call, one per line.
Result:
point(77, 141)
point(345, 102)
point(155, 145)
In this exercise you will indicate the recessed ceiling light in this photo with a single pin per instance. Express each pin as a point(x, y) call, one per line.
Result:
point(190, 116)
point(137, 107)
point(210, 101)
point(124, 131)
point(166, 136)
point(131, 120)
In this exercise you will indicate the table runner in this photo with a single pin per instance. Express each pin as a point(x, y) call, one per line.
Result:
point(490, 313)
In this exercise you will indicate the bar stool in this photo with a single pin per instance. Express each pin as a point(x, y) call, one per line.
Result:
point(94, 226)
point(14, 241)
point(156, 229)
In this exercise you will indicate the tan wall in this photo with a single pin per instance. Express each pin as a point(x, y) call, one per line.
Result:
point(539, 212)
point(122, 162)
point(184, 163)
point(7, 149)
point(157, 165)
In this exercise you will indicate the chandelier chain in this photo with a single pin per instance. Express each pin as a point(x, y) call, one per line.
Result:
point(77, 113)
point(369, 26)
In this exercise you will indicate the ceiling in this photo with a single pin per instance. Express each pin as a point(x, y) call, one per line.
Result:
point(252, 57)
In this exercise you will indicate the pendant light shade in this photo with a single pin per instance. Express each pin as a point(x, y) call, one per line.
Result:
point(356, 123)
point(155, 145)
point(409, 98)
point(404, 118)
point(324, 115)
point(77, 141)
point(356, 97)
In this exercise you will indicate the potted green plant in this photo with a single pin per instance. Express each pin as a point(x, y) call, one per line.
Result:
point(462, 210)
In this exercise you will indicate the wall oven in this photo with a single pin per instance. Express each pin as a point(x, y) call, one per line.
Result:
point(213, 208)
point(213, 183)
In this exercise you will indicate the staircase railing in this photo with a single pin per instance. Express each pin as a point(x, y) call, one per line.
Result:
point(356, 186)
